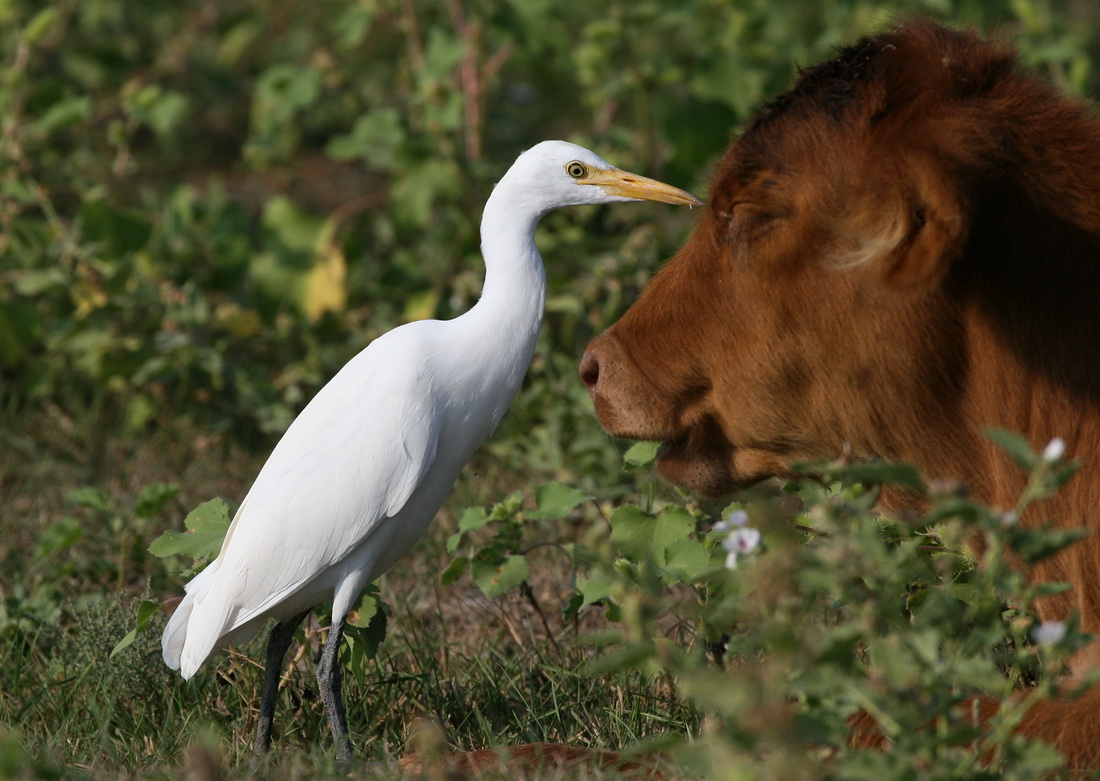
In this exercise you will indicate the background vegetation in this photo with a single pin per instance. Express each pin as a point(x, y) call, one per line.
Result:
point(206, 208)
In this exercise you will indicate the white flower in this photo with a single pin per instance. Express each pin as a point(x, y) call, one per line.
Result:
point(1054, 450)
point(1009, 518)
point(742, 541)
point(734, 520)
point(1049, 632)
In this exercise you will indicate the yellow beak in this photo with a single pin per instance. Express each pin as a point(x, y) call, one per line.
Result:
point(627, 185)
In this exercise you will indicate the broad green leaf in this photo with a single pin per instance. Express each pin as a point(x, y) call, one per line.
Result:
point(58, 536)
point(375, 138)
point(153, 499)
point(595, 586)
point(296, 229)
point(364, 609)
point(20, 331)
point(92, 498)
point(1017, 447)
point(36, 282)
point(119, 230)
point(206, 528)
point(454, 571)
point(40, 25)
point(885, 472)
point(147, 608)
point(639, 535)
point(496, 576)
point(633, 656)
point(373, 633)
point(555, 500)
point(423, 185)
point(641, 453)
point(473, 518)
point(686, 558)
point(1034, 545)
point(368, 620)
point(62, 114)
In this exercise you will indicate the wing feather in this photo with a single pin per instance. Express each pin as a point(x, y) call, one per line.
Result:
point(351, 460)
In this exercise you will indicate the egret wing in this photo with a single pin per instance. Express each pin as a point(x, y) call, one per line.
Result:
point(350, 461)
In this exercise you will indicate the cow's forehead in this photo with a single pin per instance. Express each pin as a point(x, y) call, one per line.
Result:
point(888, 83)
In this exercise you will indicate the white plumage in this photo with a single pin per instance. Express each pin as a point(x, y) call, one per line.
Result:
point(358, 476)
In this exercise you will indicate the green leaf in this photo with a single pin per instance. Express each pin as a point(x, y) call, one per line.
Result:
point(472, 518)
point(206, 528)
point(375, 138)
point(495, 576)
point(423, 185)
point(1017, 447)
point(555, 500)
point(119, 230)
point(38, 281)
point(365, 608)
point(1037, 544)
point(40, 25)
point(92, 498)
point(368, 620)
point(296, 229)
point(595, 586)
point(687, 558)
point(153, 499)
point(630, 657)
point(147, 608)
point(641, 453)
point(454, 571)
point(62, 114)
point(639, 535)
point(20, 331)
point(58, 536)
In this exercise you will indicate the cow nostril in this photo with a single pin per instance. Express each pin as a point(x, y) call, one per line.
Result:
point(590, 369)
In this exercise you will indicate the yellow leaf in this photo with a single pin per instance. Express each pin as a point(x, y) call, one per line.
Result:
point(326, 284)
point(422, 305)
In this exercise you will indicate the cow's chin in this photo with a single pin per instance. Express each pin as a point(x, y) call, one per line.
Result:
point(710, 466)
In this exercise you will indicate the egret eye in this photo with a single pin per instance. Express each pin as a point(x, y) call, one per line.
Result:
point(576, 169)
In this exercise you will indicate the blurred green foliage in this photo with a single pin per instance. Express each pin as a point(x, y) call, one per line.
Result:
point(830, 610)
point(206, 208)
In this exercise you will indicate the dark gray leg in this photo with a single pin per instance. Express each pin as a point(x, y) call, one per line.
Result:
point(281, 635)
point(330, 678)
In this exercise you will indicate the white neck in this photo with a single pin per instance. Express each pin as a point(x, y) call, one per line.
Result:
point(515, 282)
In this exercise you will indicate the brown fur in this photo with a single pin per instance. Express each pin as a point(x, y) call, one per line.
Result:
point(898, 253)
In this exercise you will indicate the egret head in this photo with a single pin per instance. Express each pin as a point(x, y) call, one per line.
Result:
point(565, 174)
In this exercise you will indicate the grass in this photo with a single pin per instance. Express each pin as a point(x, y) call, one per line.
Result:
point(487, 672)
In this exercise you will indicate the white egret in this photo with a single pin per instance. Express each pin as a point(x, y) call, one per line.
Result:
point(358, 476)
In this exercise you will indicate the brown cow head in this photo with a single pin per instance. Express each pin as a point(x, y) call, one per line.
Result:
point(818, 307)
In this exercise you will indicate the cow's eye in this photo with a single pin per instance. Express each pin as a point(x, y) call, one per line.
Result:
point(746, 221)
point(576, 169)
point(748, 224)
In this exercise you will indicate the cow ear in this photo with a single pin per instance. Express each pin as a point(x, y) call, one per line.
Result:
point(934, 235)
point(910, 230)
